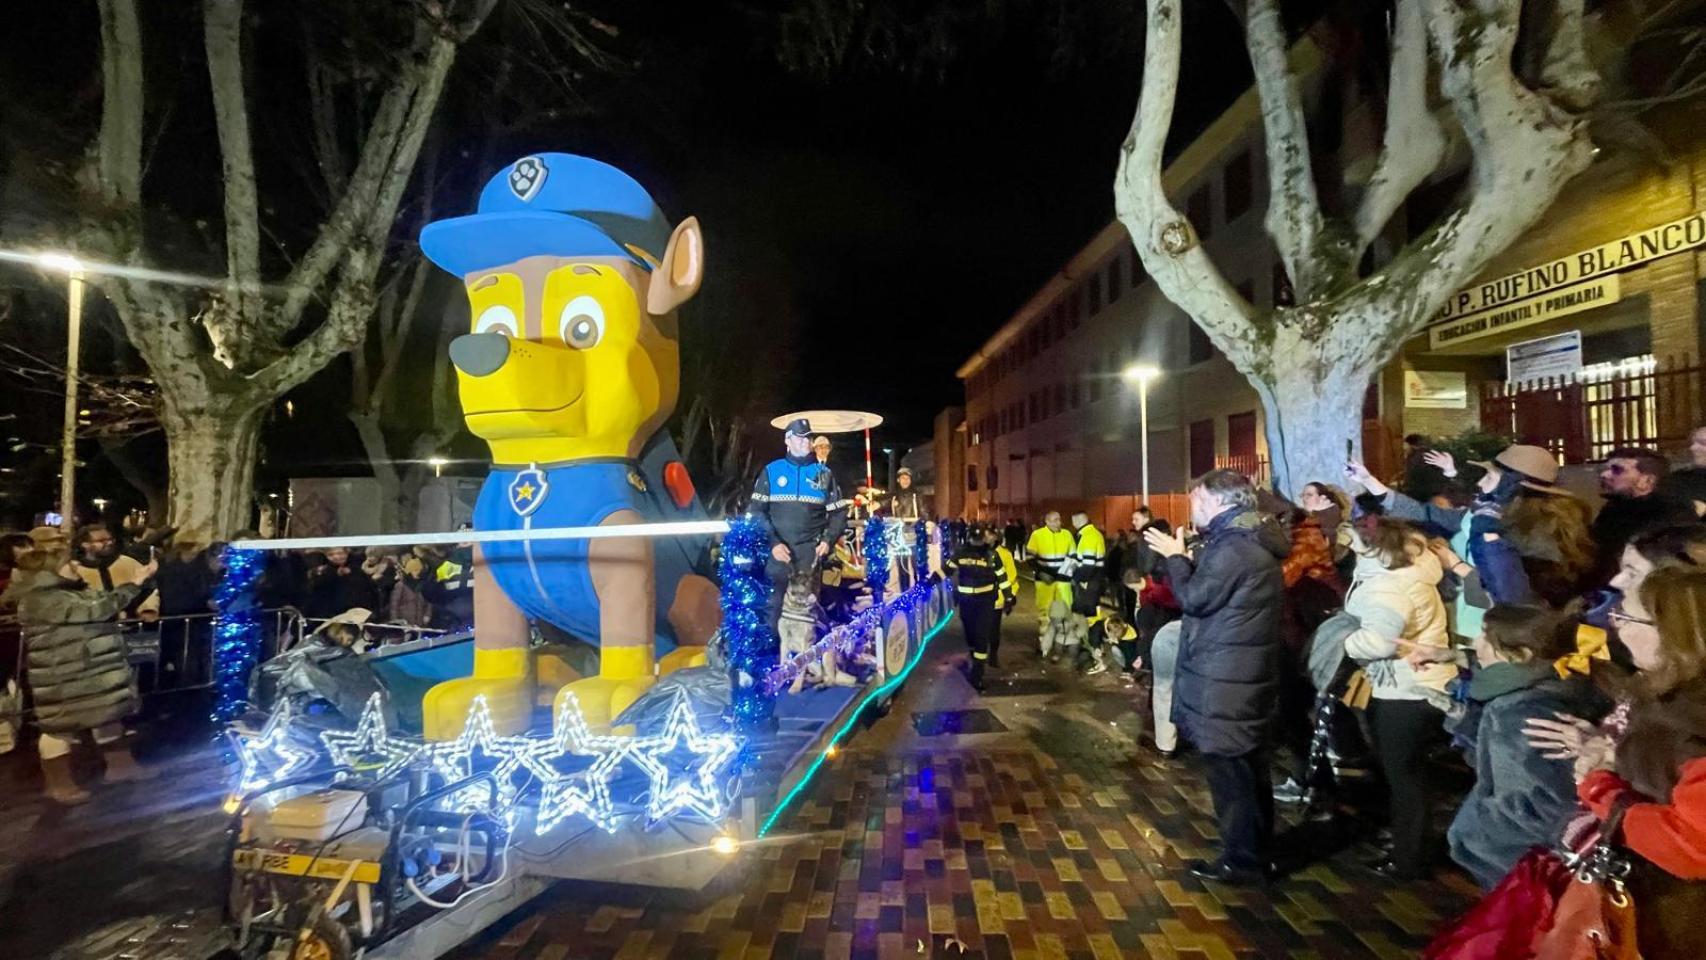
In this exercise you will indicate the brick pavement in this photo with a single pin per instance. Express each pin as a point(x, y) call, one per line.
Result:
point(1059, 838)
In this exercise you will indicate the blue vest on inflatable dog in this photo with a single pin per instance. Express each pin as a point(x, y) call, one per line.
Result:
point(549, 579)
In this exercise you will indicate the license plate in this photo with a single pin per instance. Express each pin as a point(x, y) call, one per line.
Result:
point(303, 865)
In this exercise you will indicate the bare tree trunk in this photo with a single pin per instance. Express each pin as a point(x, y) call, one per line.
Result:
point(385, 473)
point(211, 461)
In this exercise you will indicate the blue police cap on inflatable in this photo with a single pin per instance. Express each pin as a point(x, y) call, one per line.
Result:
point(551, 204)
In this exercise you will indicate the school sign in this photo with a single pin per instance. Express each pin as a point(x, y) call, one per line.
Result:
point(1570, 284)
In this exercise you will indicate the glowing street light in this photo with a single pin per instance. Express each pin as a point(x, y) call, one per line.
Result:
point(437, 465)
point(1141, 374)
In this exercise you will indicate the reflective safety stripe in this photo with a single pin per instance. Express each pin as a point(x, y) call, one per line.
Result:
point(979, 656)
point(982, 589)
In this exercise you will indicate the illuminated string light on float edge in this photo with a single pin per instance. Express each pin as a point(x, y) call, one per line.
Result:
point(236, 631)
point(695, 789)
point(752, 646)
point(846, 728)
point(921, 546)
point(848, 640)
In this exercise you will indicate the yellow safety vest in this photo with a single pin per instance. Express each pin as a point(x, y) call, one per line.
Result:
point(1010, 570)
point(1050, 548)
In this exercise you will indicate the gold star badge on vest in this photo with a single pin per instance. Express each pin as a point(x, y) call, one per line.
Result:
point(636, 481)
point(527, 491)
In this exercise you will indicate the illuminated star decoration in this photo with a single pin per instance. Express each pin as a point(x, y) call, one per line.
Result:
point(369, 747)
point(472, 752)
point(695, 788)
point(269, 756)
point(584, 792)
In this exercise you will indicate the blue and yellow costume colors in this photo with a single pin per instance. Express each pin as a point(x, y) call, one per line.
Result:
point(549, 579)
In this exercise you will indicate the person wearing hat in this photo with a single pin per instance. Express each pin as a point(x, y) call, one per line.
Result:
point(800, 504)
point(821, 447)
point(1498, 570)
point(907, 507)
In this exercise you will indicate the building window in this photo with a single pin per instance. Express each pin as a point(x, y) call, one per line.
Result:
point(1095, 293)
point(1283, 296)
point(1201, 350)
point(1201, 216)
point(1019, 413)
point(1060, 398)
point(971, 477)
point(1077, 397)
point(1033, 399)
point(1237, 174)
point(992, 475)
point(1113, 279)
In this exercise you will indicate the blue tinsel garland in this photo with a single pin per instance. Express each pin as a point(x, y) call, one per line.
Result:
point(876, 558)
point(921, 547)
point(236, 631)
point(752, 646)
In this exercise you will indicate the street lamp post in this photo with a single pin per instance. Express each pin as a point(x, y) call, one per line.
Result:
point(1141, 374)
point(73, 270)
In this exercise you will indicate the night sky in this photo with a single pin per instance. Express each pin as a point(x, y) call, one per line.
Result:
point(867, 226)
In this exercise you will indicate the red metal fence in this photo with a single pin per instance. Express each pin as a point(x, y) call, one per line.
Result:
point(1581, 418)
point(1250, 465)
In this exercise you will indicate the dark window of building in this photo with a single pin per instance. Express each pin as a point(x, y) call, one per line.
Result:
point(1371, 400)
point(1060, 398)
point(1202, 447)
point(1283, 296)
point(971, 477)
point(1201, 350)
point(1237, 195)
point(1095, 293)
point(993, 476)
point(1113, 279)
point(1077, 397)
point(1019, 413)
point(1197, 209)
point(1034, 408)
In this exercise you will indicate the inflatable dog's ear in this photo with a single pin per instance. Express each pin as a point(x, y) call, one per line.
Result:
point(676, 280)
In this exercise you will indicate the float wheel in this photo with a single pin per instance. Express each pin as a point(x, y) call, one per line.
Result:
point(325, 939)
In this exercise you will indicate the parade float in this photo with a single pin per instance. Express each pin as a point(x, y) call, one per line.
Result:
point(620, 710)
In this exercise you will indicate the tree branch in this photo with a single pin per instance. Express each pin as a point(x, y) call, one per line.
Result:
point(1315, 256)
point(1566, 73)
point(1525, 149)
point(231, 326)
point(1165, 241)
point(118, 150)
point(1414, 143)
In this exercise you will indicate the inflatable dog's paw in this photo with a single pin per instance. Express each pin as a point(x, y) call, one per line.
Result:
point(444, 709)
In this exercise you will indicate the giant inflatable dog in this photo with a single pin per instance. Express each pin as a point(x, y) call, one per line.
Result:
point(569, 371)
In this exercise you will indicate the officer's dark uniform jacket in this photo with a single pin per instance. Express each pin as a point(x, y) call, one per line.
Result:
point(978, 573)
point(801, 504)
point(906, 505)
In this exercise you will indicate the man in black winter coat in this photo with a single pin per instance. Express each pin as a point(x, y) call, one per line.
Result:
point(1228, 673)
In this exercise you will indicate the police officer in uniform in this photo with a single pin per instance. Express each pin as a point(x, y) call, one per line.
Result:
point(979, 582)
point(798, 500)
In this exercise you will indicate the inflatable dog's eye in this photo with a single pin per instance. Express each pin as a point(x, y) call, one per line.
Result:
point(582, 324)
point(498, 319)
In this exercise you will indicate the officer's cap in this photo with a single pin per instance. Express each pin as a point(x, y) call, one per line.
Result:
point(904, 472)
point(798, 427)
point(552, 204)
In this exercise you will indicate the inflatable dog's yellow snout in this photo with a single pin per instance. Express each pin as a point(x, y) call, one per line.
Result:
point(516, 388)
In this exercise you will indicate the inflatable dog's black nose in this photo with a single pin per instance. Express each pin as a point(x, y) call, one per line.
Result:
point(479, 354)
